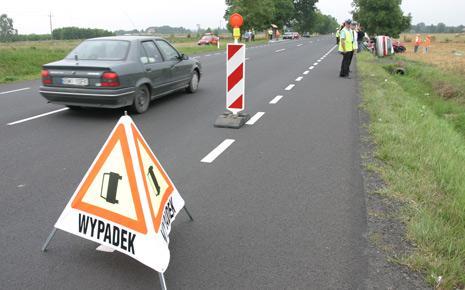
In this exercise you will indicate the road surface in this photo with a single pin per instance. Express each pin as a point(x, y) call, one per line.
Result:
point(282, 207)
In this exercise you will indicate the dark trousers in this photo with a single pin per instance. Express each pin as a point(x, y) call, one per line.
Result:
point(346, 59)
point(351, 58)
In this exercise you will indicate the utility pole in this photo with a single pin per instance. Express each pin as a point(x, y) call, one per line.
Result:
point(51, 27)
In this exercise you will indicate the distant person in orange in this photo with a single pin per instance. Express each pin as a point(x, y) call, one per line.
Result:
point(417, 42)
point(427, 43)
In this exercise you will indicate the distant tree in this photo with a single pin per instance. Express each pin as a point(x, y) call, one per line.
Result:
point(305, 15)
point(284, 12)
point(7, 31)
point(257, 14)
point(209, 30)
point(381, 17)
point(323, 23)
point(441, 28)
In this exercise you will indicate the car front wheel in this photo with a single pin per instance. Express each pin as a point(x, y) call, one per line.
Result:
point(194, 83)
point(141, 100)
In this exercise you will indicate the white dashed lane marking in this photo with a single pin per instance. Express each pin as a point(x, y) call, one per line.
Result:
point(255, 118)
point(289, 87)
point(38, 116)
point(12, 91)
point(217, 151)
point(276, 99)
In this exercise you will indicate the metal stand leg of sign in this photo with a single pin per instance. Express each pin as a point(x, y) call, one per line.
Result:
point(162, 281)
point(188, 213)
point(44, 247)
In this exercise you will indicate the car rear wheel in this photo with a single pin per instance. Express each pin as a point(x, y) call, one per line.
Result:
point(194, 83)
point(141, 100)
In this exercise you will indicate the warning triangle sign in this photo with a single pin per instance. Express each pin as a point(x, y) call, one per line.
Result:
point(110, 190)
point(156, 182)
point(126, 200)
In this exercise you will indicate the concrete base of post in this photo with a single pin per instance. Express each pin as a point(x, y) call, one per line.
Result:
point(230, 120)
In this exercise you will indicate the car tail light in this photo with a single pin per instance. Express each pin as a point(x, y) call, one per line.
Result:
point(110, 79)
point(46, 78)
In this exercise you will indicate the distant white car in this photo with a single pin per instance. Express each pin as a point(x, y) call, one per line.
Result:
point(291, 35)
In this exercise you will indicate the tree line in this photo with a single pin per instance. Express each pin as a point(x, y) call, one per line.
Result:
point(439, 28)
point(298, 15)
point(79, 33)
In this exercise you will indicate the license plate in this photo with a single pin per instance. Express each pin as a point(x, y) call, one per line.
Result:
point(76, 81)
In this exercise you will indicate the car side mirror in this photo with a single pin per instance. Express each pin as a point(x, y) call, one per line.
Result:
point(183, 57)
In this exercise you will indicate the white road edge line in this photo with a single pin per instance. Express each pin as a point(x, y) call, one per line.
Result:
point(12, 91)
point(289, 87)
point(306, 72)
point(280, 50)
point(298, 79)
point(217, 151)
point(312, 67)
point(38, 116)
point(276, 100)
point(299, 44)
point(315, 63)
point(255, 118)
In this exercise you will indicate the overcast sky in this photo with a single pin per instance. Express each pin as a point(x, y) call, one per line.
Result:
point(32, 16)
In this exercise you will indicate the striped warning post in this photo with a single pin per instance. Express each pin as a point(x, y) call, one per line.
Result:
point(235, 84)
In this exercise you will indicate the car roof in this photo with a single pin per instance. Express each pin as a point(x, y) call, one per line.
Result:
point(126, 37)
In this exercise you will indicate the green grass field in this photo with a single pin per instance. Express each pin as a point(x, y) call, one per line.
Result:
point(23, 60)
point(418, 125)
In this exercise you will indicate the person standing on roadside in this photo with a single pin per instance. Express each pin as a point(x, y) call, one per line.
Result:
point(427, 43)
point(353, 29)
point(360, 37)
point(338, 33)
point(417, 42)
point(346, 48)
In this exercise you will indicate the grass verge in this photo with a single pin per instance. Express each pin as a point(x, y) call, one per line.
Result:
point(423, 157)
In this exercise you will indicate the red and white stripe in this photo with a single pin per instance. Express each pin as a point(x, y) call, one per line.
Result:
point(235, 83)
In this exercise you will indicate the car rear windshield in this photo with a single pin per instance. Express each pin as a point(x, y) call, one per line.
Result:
point(101, 50)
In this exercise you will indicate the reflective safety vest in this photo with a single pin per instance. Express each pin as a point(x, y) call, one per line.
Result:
point(338, 33)
point(428, 41)
point(348, 40)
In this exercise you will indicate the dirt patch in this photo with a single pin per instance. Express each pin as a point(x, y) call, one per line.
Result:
point(386, 232)
point(446, 90)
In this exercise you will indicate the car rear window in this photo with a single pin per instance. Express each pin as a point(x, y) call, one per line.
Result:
point(101, 50)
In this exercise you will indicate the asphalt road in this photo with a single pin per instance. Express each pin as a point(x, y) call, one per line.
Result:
point(283, 207)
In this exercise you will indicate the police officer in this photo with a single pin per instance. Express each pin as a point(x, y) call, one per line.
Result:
point(346, 48)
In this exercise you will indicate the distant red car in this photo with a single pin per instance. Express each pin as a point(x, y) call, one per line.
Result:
point(208, 40)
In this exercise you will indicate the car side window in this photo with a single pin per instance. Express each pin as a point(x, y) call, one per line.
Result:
point(169, 53)
point(151, 55)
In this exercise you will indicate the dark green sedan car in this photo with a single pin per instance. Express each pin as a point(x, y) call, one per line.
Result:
point(120, 71)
